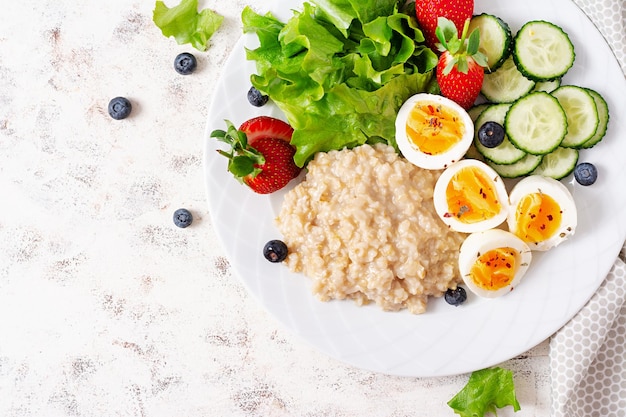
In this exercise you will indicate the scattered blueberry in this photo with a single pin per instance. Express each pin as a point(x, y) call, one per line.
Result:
point(182, 218)
point(491, 134)
point(185, 63)
point(455, 297)
point(275, 251)
point(585, 173)
point(119, 108)
point(256, 98)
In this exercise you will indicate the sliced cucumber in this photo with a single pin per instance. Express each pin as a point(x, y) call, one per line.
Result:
point(506, 84)
point(536, 123)
point(547, 86)
point(495, 39)
point(558, 164)
point(582, 114)
point(472, 153)
point(505, 153)
point(476, 110)
point(603, 119)
point(524, 166)
point(543, 51)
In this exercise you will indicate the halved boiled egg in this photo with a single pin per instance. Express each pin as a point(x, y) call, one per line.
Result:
point(542, 212)
point(493, 262)
point(433, 131)
point(470, 196)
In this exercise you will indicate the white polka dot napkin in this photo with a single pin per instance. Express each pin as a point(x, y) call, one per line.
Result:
point(588, 355)
point(609, 16)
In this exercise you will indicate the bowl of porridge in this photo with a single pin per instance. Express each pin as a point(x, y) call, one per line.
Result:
point(374, 326)
point(362, 226)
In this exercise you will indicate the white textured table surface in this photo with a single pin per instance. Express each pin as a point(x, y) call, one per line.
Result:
point(107, 308)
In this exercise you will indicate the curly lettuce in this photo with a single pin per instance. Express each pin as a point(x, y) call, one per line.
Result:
point(339, 70)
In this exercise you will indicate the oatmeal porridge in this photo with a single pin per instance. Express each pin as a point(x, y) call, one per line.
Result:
point(362, 226)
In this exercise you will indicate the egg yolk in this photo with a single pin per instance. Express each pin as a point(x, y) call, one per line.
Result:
point(538, 217)
point(471, 196)
point(434, 128)
point(495, 269)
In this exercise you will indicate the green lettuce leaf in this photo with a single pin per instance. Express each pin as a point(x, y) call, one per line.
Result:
point(339, 70)
point(485, 391)
point(186, 24)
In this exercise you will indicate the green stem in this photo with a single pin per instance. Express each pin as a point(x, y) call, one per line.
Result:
point(465, 29)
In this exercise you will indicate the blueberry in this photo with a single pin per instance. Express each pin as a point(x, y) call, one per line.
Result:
point(119, 108)
point(455, 297)
point(182, 218)
point(185, 63)
point(491, 134)
point(256, 98)
point(585, 173)
point(275, 251)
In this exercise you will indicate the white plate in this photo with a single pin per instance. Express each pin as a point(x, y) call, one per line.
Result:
point(445, 340)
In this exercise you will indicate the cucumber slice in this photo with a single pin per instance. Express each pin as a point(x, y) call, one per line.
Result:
point(476, 110)
point(472, 153)
point(543, 51)
point(506, 84)
point(495, 39)
point(582, 114)
point(536, 123)
point(603, 119)
point(505, 153)
point(558, 164)
point(547, 86)
point(524, 166)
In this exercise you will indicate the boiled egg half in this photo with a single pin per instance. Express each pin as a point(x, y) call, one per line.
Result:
point(542, 212)
point(469, 196)
point(493, 262)
point(433, 131)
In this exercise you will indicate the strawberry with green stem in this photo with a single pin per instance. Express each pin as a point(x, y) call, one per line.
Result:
point(461, 67)
point(260, 154)
point(428, 12)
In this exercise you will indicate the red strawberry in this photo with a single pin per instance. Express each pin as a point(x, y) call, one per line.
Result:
point(266, 127)
point(460, 70)
point(267, 166)
point(429, 11)
point(277, 169)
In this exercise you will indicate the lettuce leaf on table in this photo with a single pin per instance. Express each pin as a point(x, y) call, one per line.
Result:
point(339, 70)
point(486, 390)
point(186, 24)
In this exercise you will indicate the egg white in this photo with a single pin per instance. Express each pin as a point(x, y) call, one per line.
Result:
point(410, 150)
point(560, 194)
point(441, 203)
point(479, 243)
